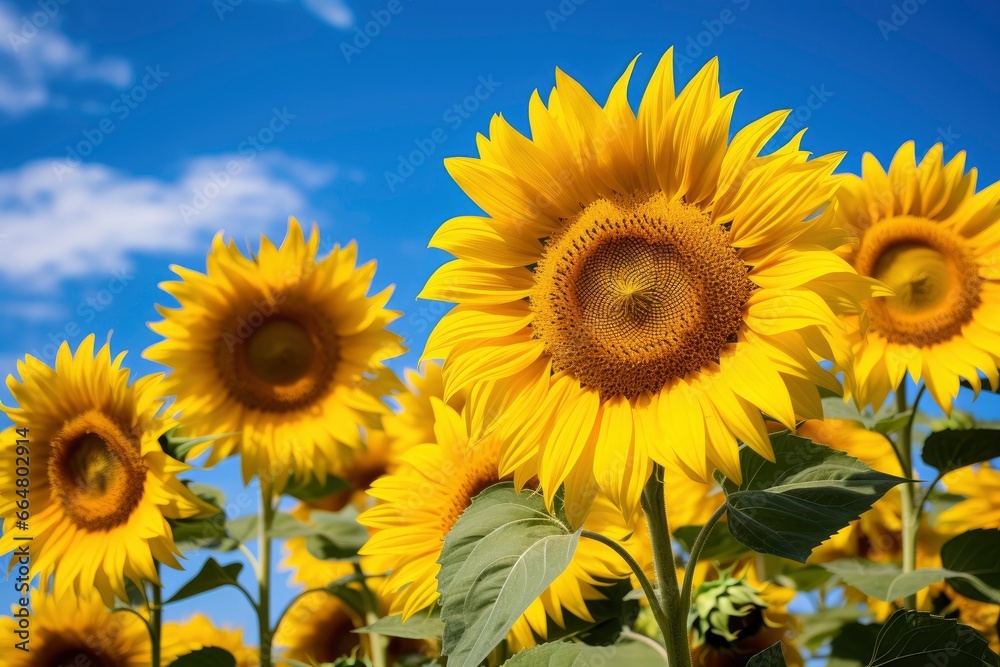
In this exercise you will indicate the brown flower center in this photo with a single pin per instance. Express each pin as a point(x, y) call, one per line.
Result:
point(280, 362)
point(935, 280)
point(637, 291)
point(97, 472)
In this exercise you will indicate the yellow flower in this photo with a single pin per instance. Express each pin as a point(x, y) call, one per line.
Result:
point(101, 489)
point(75, 631)
point(734, 618)
point(984, 617)
point(283, 350)
point(199, 632)
point(926, 233)
point(422, 500)
point(320, 627)
point(981, 508)
point(639, 271)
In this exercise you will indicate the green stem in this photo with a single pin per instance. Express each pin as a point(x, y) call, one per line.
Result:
point(156, 620)
point(658, 614)
point(904, 451)
point(696, 550)
point(675, 634)
point(379, 644)
point(264, 522)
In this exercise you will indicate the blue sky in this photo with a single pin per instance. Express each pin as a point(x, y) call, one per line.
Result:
point(118, 120)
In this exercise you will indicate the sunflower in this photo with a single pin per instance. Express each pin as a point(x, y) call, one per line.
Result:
point(734, 618)
point(101, 487)
point(281, 351)
point(422, 500)
point(75, 631)
point(982, 616)
point(319, 627)
point(199, 632)
point(926, 233)
point(637, 270)
point(981, 507)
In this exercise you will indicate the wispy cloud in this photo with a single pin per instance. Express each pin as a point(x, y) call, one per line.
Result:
point(335, 12)
point(96, 219)
point(36, 58)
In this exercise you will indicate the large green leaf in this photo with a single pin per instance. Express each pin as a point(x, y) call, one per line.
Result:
point(951, 450)
point(415, 627)
point(720, 545)
point(854, 645)
point(772, 656)
point(789, 507)
point(336, 535)
point(211, 576)
point(207, 533)
point(887, 581)
point(206, 657)
point(976, 553)
point(572, 654)
point(918, 639)
point(500, 555)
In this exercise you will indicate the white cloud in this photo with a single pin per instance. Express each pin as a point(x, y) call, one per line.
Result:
point(334, 12)
point(95, 219)
point(36, 57)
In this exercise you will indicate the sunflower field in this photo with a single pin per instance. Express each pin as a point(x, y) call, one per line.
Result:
point(683, 408)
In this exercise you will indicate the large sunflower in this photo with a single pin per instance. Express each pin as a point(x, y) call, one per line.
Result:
point(281, 349)
point(637, 270)
point(925, 232)
point(198, 632)
point(75, 631)
point(101, 487)
point(422, 501)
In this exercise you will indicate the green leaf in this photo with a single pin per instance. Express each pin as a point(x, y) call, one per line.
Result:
point(976, 553)
point(951, 450)
point(415, 627)
point(312, 489)
point(887, 582)
point(211, 576)
point(500, 555)
point(854, 645)
point(180, 447)
point(572, 654)
point(195, 534)
point(769, 657)
point(918, 639)
point(894, 423)
point(820, 627)
point(720, 546)
point(206, 657)
point(337, 535)
point(807, 578)
point(789, 507)
point(243, 529)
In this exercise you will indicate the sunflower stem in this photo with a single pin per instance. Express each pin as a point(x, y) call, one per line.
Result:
point(156, 618)
point(675, 633)
point(696, 549)
point(264, 570)
point(904, 451)
point(379, 645)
